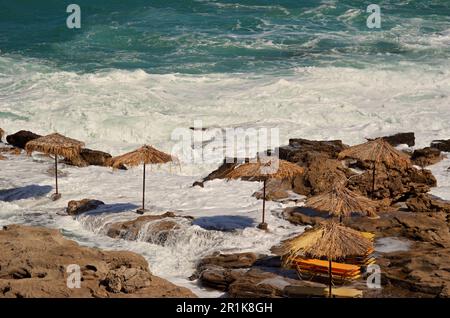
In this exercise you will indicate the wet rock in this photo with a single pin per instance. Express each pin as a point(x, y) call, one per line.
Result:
point(127, 280)
point(20, 138)
point(238, 260)
point(442, 145)
point(226, 167)
point(34, 263)
point(304, 216)
point(75, 207)
point(2, 133)
point(219, 278)
point(421, 270)
point(426, 156)
point(427, 203)
point(10, 150)
point(431, 227)
point(2, 157)
point(393, 184)
point(401, 139)
point(320, 176)
point(275, 190)
point(303, 151)
point(157, 227)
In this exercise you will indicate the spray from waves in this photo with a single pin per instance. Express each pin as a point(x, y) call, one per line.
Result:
point(176, 250)
point(117, 110)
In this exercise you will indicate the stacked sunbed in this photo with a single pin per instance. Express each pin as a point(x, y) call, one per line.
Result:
point(349, 269)
point(340, 271)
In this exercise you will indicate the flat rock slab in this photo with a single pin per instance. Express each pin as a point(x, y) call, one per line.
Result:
point(34, 262)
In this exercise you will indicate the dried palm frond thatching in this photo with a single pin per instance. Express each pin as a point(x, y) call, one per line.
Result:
point(264, 169)
point(340, 201)
point(329, 240)
point(57, 145)
point(377, 151)
point(272, 169)
point(144, 155)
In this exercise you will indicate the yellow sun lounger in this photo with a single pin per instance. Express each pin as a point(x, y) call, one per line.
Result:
point(344, 292)
point(338, 270)
point(368, 235)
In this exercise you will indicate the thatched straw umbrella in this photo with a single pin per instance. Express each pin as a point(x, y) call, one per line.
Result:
point(264, 169)
point(341, 202)
point(329, 240)
point(57, 145)
point(144, 155)
point(377, 151)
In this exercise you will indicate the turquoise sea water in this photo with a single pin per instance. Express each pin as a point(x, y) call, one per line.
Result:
point(225, 36)
point(137, 70)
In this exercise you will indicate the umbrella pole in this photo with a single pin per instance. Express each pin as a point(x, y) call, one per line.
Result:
point(264, 202)
point(56, 173)
point(330, 278)
point(373, 180)
point(143, 191)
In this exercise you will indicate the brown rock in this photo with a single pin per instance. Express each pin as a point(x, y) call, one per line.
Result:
point(238, 260)
point(2, 133)
point(161, 226)
point(2, 157)
point(227, 166)
point(423, 270)
point(320, 176)
point(426, 156)
point(303, 151)
point(77, 207)
point(393, 184)
point(426, 203)
point(304, 216)
point(401, 139)
point(275, 190)
point(10, 150)
point(442, 145)
point(34, 263)
point(20, 138)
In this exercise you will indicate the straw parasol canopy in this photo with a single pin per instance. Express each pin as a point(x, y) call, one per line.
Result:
point(342, 202)
point(270, 169)
point(379, 151)
point(376, 151)
point(329, 240)
point(264, 169)
point(144, 155)
point(57, 145)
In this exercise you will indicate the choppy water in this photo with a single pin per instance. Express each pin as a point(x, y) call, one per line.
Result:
point(137, 70)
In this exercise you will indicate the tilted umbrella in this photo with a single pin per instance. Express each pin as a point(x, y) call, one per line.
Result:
point(329, 240)
point(341, 202)
point(264, 169)
point(57, 145)
point(144, 155)
point(377, 151)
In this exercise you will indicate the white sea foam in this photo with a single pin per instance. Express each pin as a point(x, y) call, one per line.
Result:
point(117, 110)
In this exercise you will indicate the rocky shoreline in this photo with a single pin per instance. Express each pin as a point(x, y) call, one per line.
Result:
point(35, 262)
point(408, 212)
